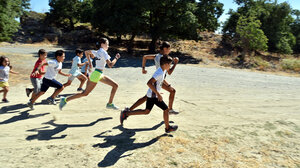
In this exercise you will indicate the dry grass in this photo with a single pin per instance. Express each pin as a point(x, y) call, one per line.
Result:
point(216, 148)
point(290, 64)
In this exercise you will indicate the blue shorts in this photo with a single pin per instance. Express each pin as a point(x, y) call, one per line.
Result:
point(50, 83)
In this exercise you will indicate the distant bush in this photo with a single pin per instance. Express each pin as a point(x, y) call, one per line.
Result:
point(290, 64)
point(286, 43)
point(260, 63)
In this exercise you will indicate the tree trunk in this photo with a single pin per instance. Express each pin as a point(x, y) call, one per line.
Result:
point(153, 35)
point(119, 39)
point(130, 44)
point(71, 24)
point(152, 45)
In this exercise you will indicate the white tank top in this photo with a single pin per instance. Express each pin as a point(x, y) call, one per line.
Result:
point(157, 60)
point(100, 58)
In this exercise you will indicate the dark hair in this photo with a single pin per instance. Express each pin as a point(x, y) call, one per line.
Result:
point(164, 44)
point(98, 46)
point(2, 58)
point(59, 53)
point(165, 59)
point(78, 51)
point(101, 41)
point(41, 52)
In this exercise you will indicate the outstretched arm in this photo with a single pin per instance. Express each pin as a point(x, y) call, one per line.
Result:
point(145, 58)
point(176, 59)
point(81, 64)
point(114, 61)
point(64, 74)
point(37, 70)
point(13, 72)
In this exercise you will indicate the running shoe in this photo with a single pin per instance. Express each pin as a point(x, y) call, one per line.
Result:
point(5, 101)
point(50, 100)
point(30, 105)
point(112, 106)
point(171, 128)
point(62, 103)
point(173, 112)
point(28, 91)
point(123, 116)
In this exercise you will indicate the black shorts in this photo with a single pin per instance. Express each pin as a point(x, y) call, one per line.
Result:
point(50, 83)
point(87, 74)
point(151, 101)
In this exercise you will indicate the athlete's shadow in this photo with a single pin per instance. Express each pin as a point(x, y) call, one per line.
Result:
point(23, 116)
point(47, 134)
point(12, 108)
point(123, 143)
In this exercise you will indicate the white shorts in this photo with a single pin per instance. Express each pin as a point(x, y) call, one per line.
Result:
point(71, 78)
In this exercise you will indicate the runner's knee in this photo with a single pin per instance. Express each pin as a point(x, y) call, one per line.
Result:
point(173, 90)
point(85, 93)
point(115, 86)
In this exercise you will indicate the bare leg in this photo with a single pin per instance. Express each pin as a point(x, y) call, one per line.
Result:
point(33, 95)
point(138, 103)
point(172, 94)
point(166, 118)
point(138, 112)
point(82, 79)
point(5, 90)
point(56, 92)
point(37, 96)
point(68, 83)
point(89, 87)
point(113, 84)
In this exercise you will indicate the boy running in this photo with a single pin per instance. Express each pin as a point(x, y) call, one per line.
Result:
point(165, 49)
point(37, 79)
point(54, 67)
point(75, 72)
point(153, 95)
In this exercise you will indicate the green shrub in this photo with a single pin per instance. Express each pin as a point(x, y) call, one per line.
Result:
point(260, 63)
point(290, 64)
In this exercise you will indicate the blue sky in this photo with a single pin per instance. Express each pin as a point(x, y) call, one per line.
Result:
point(42, 6)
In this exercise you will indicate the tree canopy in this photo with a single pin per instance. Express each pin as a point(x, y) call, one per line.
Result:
point(9, 11)
point(276, 23)
point(169, 19)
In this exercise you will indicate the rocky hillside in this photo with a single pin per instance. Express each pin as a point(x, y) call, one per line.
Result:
point(208, 51)
point(35, 29)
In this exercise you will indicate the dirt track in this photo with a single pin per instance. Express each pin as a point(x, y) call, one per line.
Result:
point(227, 118)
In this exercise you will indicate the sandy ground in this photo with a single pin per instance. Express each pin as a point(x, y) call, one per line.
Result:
point(228, 118)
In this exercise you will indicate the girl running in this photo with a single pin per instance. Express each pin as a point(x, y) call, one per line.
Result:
point(102, 58)
point(5, 69)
